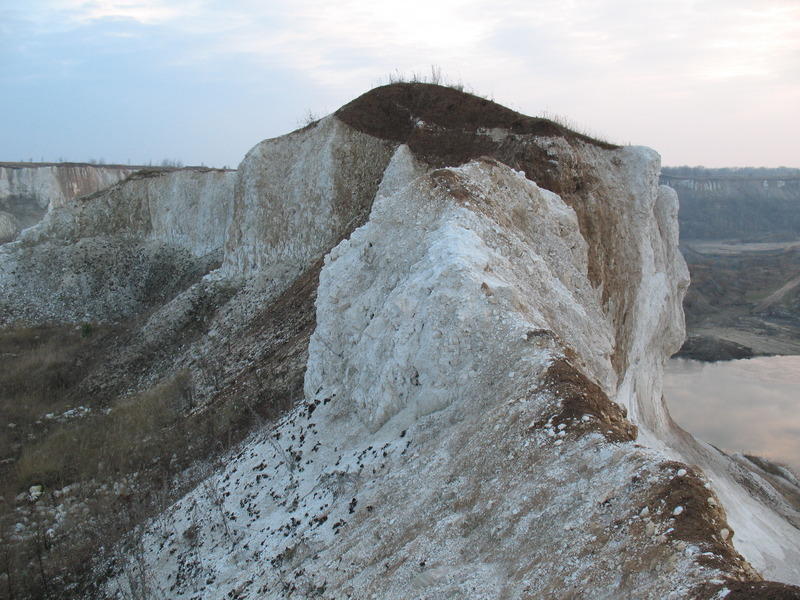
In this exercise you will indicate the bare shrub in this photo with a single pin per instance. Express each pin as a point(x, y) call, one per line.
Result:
point(434, 76)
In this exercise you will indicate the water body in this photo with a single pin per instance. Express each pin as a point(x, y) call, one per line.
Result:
point(750, 406)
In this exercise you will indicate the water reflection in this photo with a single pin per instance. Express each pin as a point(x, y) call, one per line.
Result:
point(746, 406)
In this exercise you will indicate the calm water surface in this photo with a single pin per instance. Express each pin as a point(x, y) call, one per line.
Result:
point(750, 406)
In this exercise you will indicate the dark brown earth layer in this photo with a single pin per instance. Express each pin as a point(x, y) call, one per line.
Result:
point(700, 521)
point(454, 128)
point(579, 396)
point(750, 590)
point(391, 112)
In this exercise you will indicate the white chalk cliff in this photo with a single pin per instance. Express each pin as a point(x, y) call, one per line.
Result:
point(482, 414)
point(27, 190)
point(99, 257)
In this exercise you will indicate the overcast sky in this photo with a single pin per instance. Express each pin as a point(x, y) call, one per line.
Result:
point(714, 83)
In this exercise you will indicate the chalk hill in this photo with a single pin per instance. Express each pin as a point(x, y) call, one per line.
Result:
point(449, 322)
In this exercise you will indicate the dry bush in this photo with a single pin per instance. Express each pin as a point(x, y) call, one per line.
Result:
point(434, 76)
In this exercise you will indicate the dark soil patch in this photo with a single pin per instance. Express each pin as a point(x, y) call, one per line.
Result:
point(447, 127)
point(452, 184)
point(392, 111)
point(699, 522)
point(579, 397)
point(750, 590)
point(272, 383)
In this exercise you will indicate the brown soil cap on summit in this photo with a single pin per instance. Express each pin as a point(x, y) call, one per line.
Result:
point(391, 111)
point(446, 127)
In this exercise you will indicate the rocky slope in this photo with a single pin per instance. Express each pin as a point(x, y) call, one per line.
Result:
point(745, 295)
point(478, 305)
point(739, 236)
point(28, 189)
point(108, 255)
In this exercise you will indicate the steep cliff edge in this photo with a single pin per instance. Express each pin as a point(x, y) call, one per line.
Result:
point(110, 254)
point(481, 413)
point(28, 189)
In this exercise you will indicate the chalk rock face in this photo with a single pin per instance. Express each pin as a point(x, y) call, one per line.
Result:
point(413, 307)
point(298, 195)
point(28, 189)
point(107, 255)
point(187, 208)
point(9, 226)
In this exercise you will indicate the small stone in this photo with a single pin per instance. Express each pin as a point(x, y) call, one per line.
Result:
point(681, 472)
point(678, 510)
point(724, 533)
point(35, 492)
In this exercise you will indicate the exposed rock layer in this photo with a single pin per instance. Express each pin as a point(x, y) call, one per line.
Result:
point(28, 189)
point(718, 204)
point(112, 254)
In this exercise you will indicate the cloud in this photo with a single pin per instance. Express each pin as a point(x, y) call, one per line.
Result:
point(146, 12)
point(682, 41)
point(671, 75)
